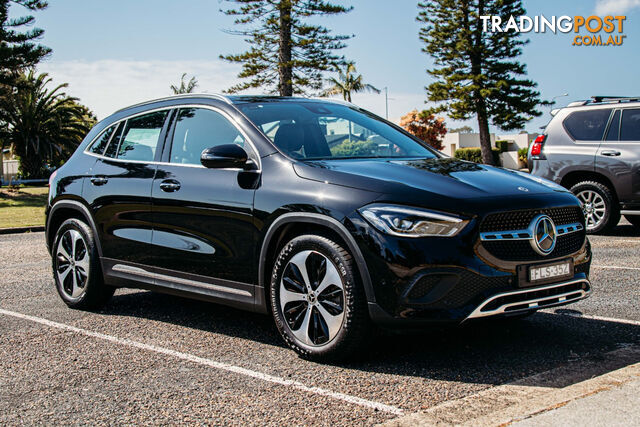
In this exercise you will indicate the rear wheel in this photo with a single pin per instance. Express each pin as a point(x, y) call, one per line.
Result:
point(599, 205)
point(317, 302)
point(634, 220)
point(76, 267)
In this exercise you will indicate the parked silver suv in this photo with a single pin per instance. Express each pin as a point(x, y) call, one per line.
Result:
point(593, 148)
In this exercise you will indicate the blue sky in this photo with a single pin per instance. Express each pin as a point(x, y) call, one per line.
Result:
point(122, 51)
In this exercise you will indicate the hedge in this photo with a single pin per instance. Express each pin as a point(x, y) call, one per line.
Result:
point(502, 145)
point(475, 155)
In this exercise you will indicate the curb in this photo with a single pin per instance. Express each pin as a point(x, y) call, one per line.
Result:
point(522, 399)
point(16, 230)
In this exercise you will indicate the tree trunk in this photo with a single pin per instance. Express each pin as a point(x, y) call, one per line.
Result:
point(285, 69)
point(485, 137)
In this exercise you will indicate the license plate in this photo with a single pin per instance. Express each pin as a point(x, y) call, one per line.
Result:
point(549, 271)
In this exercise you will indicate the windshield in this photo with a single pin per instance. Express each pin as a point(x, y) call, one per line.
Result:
point(321, 131)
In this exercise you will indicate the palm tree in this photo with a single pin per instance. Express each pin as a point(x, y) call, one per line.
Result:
point(185, 87)
point(348, 82)
point(44, 126)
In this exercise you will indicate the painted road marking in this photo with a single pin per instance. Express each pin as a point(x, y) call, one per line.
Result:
point(211, 363)
point(604, 319)
point(615, 267)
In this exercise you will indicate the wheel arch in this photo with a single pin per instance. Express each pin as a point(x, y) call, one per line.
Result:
point(286, 224)
point(64, 210)
point(574, 177)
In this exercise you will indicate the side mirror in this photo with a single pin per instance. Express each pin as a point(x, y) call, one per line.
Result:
point(225, 156)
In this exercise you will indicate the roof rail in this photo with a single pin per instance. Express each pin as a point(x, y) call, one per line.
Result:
point(601, 98)
point(182, 95)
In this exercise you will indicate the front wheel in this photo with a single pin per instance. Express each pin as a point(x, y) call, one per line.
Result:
point(317, 302)
point(76, 267)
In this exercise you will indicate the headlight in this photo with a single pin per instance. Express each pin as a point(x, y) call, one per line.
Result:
point(411, 222)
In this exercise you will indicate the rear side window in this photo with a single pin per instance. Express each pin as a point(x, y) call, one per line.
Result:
point(100, 144)
point(139, 139)
point(630, 130)
point(587, 125)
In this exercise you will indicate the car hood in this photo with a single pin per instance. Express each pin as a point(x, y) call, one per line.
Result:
point(447, 177)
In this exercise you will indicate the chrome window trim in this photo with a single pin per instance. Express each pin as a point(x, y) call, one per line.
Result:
point(177, 107)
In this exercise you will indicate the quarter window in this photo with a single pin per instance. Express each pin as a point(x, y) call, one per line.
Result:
point(587, 125)
point(101, 143)
point(630, 130)
point(197, 129)
point(112, 149)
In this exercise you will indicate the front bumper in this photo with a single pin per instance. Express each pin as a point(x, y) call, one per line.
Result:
point(453, 280)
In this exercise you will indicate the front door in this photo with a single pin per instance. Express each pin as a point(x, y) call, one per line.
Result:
point(203, 218)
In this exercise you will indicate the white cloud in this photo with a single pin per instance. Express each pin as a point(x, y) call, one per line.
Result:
point(108, 85)
point(615, 7)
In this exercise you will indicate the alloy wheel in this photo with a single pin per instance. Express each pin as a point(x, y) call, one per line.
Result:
point(312, 298)
point(72, 264)
point(594, 208)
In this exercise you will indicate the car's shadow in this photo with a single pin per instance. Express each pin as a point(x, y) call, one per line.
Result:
point(488, 352)
point(623, 229)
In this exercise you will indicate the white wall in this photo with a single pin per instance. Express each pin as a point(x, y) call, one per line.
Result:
point(9, 170)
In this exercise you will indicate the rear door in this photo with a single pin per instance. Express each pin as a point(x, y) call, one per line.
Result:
point(119, 189)
point(619, 154)
point(204, 235)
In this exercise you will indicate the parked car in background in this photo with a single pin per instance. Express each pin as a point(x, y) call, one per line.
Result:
point(317, 212)
point(593, 148)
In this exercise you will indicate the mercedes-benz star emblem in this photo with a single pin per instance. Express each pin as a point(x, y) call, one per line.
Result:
point(544, 235)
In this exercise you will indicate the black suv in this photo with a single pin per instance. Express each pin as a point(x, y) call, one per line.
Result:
point(320, 213)
point(593, 148)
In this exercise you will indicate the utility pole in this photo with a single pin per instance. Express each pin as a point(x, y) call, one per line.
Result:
point(386, 103)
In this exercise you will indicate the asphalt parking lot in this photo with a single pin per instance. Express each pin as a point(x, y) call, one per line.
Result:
point(158, 359)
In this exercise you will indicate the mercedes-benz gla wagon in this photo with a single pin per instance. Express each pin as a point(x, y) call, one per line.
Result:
point(321, 214)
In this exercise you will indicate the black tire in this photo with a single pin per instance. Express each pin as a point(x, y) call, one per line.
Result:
point(355, 324)
point(611, 215)
point(94, 292)
point(634, 220)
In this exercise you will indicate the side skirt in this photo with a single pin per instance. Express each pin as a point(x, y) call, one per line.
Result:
point(131, 275)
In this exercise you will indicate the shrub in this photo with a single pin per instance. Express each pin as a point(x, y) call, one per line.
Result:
point(522, 155)
point(502, 145)
point(475, 155)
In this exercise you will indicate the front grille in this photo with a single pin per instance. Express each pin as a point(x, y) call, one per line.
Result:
point(520, 220)
point(521, 250)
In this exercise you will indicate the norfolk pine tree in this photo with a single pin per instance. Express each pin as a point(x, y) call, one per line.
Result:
point(18, 50)
point(287, 54)
point(477, 72)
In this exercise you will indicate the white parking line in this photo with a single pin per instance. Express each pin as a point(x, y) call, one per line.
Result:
point(604, 319)
point(613, 240)
point(615, 267)
point(212, 364)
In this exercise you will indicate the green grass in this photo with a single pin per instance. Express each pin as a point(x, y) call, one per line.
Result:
point(23, 207)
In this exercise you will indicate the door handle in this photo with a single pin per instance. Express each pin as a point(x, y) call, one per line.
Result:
point(99, 180)
point(610, 153)
point(169, 186)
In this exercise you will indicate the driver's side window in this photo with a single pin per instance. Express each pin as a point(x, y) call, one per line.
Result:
point(197, 129)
